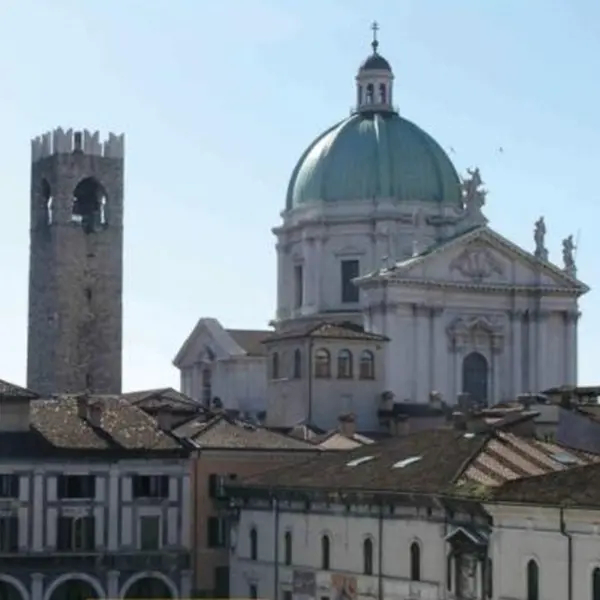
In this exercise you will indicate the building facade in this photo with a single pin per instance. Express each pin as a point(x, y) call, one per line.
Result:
point(76, 263)
point(95, 500)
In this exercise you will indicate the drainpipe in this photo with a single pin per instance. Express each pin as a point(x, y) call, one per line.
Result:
point(563, 531)
point(380, 554)
point(310, 379)
point(276, 548)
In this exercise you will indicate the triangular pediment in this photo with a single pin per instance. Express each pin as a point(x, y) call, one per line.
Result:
point(207, 342)
point(484, 257)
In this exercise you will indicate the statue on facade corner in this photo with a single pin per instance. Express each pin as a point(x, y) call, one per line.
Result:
point(539, 236)
point(568, 252)
point(473, 195)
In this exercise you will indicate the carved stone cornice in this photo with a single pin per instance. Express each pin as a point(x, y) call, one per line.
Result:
point(475, 332)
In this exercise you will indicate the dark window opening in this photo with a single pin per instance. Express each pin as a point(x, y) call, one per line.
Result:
point(9, 486)
point(325, 553)
point(370, 93)
point(475, 372)
point(76, 486)
point(287, 548)
point(88, 381)
point(275, 365)
point(533, 575)
point(382, 94)
point(596, 584)
point(368, 557)
point(367, 365)
point(349, 271)
point(253, 591)
point(89, 205)
point(206, 387)
point(287, 595)
point(48, 201)
point(297, 364)
point(415, 562)
point(88, 294)
point(322, 364)
point(150, 486)
point(449, 563)
point(217, 532)
point(221, 578)
point(253, 544)
point(9, 534)
point(76, 533)
point(149, 532)
point(345, 366)
point(298, 286)
point(489, 579)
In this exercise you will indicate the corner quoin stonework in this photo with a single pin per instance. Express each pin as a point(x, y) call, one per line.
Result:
point(76, 263)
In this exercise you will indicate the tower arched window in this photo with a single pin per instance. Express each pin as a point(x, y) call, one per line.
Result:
point(275, 365)
point(48, 201)
point(89, 204)
point(370, 93)
point(344, 366)
point(367, 365)
point(325, 553)
point(253, 544)
point(368, 556)
point(596, 584)
point(415, 562)
point(297, 363)
point(382, 93)
point(533, 580)
point(322, 364)
point(287, 548)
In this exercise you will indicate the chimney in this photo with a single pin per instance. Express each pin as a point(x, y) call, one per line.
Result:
point(399, 425)
point(347, 424)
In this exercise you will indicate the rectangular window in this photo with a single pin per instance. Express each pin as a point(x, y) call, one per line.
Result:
point(253, 591)
point(216, 532)
point(76, 534)
point(149, 532)
point(349, 271)
point(76, 486)
point(9, 486)
point(287, 595)
point(206, 387)
point(9, 534)
point(298, 286)
point(222, 582)
point(150, 486)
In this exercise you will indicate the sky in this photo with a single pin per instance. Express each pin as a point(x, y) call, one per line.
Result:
point(218, 100)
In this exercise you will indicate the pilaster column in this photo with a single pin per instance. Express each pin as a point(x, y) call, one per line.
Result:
point(421, 373)
point(531, 359)
point(495, 391)
point(541, 327)
point(112, 585)
point(37, 587)
point(185, 585)
point(439, 353)
point(318, 272)
point(516, 324)
point(310, 272)
point(571, 320)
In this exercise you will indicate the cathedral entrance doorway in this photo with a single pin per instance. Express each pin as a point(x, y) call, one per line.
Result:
point(475, 374)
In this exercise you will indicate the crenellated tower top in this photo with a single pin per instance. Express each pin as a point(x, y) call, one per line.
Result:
point(60, 141)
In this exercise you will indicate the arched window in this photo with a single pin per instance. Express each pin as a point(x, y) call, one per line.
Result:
point(322, 364)
point(325, 553)
point(275, 365)
point(367, 365)
point(382, 94)
point(253, 544)
point(475, 374)
point(344, 360)
point(287, 548)
point(533, 583)
point(297, 364)
point(89, 205)
point(596, 584)
point(370, 93)
point(368, 556)
point(415, 562)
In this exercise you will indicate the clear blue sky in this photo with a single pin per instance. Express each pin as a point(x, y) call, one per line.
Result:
point(219, 98)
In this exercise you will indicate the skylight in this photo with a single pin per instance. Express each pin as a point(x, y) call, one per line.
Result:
point(565, 458)
point(359, 461)
point(406, 461)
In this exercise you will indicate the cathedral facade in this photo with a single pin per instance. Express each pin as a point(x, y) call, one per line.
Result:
point(380, 230)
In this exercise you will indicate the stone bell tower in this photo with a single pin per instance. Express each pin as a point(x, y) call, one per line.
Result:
point(76, 263)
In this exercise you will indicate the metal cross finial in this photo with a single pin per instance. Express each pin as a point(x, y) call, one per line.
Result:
point(375, 29)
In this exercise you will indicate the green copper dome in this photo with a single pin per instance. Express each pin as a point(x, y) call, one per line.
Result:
point(374, 154)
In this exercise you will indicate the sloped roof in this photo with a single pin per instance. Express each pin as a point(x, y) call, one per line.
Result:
point(324, 330)
point(10, 390)
point(437, 461)
point(224, 432)
point(250, 340)
point(167, 398)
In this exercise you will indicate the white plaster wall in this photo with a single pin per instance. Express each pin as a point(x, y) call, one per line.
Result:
point(347, 535)
point(523, 533)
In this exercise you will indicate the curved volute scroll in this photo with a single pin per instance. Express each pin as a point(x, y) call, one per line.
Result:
point(374, 81)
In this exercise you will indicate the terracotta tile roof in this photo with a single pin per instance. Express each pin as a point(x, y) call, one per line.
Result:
point(222, 432)
point(338, 331)
point(440, 461)
point(250, 340)
point(576, 486)
point(56, 428)
point(168, 398)
point(10, 390)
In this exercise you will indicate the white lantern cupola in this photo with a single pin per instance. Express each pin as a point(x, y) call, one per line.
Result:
point(374, 81)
